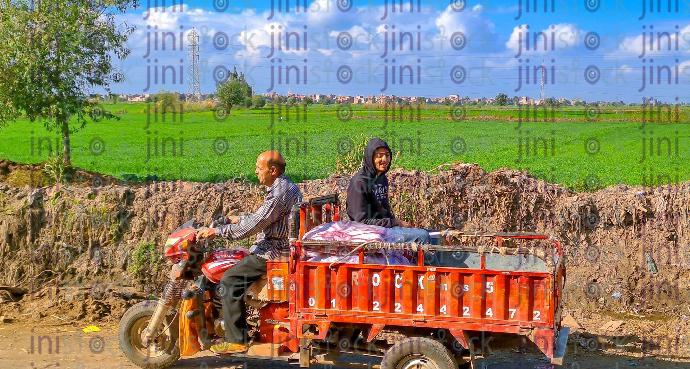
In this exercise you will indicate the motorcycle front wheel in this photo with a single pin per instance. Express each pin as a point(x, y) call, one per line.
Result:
point(162, 352)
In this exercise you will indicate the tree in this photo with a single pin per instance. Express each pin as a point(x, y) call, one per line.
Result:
point(235, 91)
point(258, 101)
point(167, 100)
point(502, 99)
point(52, 53)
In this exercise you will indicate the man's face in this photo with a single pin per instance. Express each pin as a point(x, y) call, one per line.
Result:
point(264, 172)
point(381, 159)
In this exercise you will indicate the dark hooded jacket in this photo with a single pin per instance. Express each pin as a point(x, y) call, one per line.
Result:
point(367, 194)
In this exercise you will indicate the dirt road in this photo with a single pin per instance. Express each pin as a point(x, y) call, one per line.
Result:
point(66, 346)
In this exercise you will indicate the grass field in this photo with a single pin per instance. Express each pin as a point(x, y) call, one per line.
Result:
point(583, 149)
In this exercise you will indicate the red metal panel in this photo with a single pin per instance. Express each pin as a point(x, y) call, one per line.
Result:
point(490, 292)
point(477, 296)
point(332, 288)
point(409, 286)
point(430, 294)
point(513, 286)
point(320, 282)
point(501, 297)
point(538, 312)
point(364, 295)
point(344, 289)
point(379, 282)
point(524, 308)
point(355, 290)
point(466, 295)
point(446, 300)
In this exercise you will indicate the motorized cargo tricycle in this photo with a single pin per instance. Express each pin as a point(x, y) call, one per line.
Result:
point(434, 312)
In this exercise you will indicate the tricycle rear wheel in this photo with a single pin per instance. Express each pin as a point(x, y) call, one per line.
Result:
point(418, 353)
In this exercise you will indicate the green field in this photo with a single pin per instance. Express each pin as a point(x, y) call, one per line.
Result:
point(580, 149)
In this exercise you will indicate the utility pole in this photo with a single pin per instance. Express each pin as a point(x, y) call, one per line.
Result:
point(195, 79)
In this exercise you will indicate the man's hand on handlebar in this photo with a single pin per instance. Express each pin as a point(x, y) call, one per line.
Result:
point(206, 233)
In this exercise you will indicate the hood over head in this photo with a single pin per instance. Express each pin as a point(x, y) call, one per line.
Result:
point(368, 162)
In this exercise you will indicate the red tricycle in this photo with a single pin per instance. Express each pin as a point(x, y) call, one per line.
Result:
point(432, 313)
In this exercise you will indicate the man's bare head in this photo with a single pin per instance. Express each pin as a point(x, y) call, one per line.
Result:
point(269, 166)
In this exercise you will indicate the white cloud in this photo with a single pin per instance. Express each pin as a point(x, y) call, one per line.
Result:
point(165, 18)
point(478, 30)
point(639, 45)
point(684, 67)
point(554, 37)
point(626, 69)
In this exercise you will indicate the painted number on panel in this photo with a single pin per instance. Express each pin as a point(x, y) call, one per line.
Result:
point(443, 309)
point(420, 308)
point(537, 315)
point(312, 301)
point(465, 311)
point(398, 281)
point(489, 312)
point(398, 307)
point(377, 306)
point(489, 287)
point(376, 280)
point(512, 313)
point(333, 303)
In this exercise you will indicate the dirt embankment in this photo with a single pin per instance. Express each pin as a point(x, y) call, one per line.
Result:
point(81, 250)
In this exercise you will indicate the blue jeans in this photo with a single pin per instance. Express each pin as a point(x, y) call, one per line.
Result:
point(405, 235)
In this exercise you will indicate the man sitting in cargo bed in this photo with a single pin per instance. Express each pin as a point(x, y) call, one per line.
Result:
point(367, 196)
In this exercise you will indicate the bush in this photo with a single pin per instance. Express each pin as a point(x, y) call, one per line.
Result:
point(54, 168)
point(258, 101)
point(350, 153)
point(145, 261)
point(27, 177)
point(167, 100)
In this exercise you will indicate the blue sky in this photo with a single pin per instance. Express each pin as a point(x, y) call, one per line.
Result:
point(590, 49)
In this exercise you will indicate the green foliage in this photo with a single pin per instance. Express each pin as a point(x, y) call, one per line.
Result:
point(488, 136)
point(351, 152)
point(166, 100)
point(27, 177)
point(235, 91)
point(55, 52)
point(502, 99)
point(144, 261)
point(55, 168)
point(258, 101)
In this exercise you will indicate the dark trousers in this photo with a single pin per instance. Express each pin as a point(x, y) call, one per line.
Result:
point(235, 282)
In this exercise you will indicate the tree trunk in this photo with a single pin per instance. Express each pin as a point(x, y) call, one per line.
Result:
point(66, 148)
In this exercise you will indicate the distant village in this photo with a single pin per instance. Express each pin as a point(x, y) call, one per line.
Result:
point(453, 99)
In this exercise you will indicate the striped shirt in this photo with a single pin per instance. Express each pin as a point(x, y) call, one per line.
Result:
point(269, 222)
